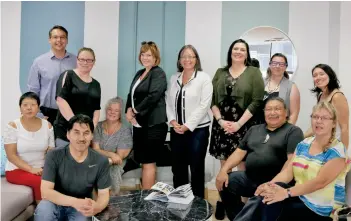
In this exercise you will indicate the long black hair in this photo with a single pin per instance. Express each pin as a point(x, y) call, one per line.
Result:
point(333, 79)
point(229, 54)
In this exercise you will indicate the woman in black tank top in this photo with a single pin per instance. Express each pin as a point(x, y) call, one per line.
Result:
point(327, 89)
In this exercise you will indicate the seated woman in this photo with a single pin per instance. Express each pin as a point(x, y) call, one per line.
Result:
point(319, 169)
point(113, 140)
point(27, 140)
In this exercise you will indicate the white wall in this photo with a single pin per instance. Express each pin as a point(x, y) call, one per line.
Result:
point(334, 35)
point(204, 33)
point(101, 34)
point(309, 30)
point(344, 55)
point(10, 59)
point(324, 37)
point(345, 49)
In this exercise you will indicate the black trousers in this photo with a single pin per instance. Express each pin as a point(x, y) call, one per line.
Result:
point(49, 112)
point(291, 209)
point(238, 185)
point(190, 149)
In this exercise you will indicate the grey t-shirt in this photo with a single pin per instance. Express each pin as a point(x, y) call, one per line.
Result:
point(122, 139)
point(266, 155)
point(76, 179)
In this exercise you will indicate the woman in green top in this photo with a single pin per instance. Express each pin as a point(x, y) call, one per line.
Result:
point(238, 91)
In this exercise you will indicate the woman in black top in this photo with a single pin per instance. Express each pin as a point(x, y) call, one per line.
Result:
point(146, 111)
point(77, 93)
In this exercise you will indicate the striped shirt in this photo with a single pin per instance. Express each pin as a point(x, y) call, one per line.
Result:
point(306, 167)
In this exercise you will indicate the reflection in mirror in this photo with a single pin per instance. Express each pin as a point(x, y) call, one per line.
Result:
point(265, 41)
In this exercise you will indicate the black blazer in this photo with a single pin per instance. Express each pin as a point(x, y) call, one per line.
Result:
point(149, 97)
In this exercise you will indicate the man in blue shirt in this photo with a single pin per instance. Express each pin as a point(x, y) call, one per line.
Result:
point(46, 70)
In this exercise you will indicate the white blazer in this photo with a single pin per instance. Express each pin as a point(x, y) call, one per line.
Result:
point(196, 99)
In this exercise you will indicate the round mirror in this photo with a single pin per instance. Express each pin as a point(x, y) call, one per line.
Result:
point(265, 41)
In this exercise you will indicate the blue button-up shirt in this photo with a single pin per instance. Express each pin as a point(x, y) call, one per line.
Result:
point(44, 74)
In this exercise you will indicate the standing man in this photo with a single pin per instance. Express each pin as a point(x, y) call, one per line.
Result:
point(71, 173)
point(46, 70)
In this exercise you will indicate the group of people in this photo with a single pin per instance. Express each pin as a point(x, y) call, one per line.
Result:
point(60, 149)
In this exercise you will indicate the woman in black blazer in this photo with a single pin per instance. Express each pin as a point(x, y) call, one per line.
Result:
point(146, 111)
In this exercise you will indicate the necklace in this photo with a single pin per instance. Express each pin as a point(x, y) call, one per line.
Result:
point(110, 134)
point(275, 89)
point(185, 79)
point(115, 128)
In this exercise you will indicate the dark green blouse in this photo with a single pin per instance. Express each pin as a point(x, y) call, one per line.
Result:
point(248, 90)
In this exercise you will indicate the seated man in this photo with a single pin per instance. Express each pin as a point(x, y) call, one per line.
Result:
point(70, 175)
point(267, 147)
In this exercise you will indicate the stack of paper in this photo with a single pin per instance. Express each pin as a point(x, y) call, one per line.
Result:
point(182, 194)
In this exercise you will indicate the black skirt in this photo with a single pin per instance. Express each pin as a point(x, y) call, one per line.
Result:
point(148, 141)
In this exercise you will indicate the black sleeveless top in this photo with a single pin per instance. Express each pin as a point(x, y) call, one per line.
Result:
point(82, 97)
point(331, 99)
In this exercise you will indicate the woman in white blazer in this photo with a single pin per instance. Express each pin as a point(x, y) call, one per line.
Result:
point(189, 96)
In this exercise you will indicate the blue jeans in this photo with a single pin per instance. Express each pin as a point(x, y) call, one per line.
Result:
point(190, 149)
point(47, 210)
point(290, 209)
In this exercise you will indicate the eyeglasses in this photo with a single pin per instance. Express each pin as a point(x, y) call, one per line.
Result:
point(188, 57)
point(148, 42)
point(278, 64)
point(88, 61)
point(277, 109)
point(323, 118)
point(59, 37)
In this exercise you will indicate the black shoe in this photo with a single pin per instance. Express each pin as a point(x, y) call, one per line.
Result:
point(220, 212)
